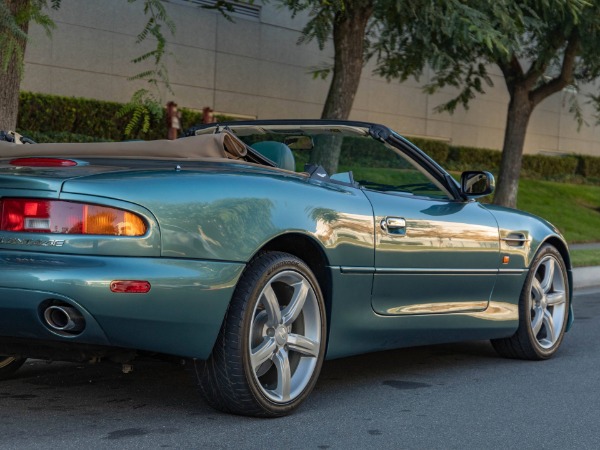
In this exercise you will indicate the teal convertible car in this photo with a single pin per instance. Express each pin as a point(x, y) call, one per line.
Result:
point(236, 250)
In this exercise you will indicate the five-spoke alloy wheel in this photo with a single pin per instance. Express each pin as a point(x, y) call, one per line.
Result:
point(271, 345)
point(543, 309)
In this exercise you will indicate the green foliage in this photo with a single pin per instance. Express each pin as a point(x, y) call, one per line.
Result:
point(462, 158)
point(98, 119)
point(59, 136)
point(322, 15)
point(437, 150)
point(144, 110)
point(589, 166)
point(550, 167)
point(12, 29)
point(540, 46)
point(464, 37)
point(363, 152)
point(585, 258)
point(145, 106)
point(557, 168)
point(574, 209)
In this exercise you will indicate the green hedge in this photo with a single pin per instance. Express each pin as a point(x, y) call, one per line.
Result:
point(51, 118)
point(60, 136)
point(438, 150)
point(82, 116)
point(560, 168)
point(473, 158)
point(589, 166)
point(550, 167)
point(365, 152)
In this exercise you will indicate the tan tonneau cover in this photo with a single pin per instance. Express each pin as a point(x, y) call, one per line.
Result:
point(221, 145)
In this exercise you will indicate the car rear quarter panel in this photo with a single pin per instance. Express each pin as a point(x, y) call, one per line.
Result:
point(205, 224)
point(228, 215)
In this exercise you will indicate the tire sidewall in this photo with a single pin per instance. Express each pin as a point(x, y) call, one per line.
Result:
point(526, 300)
point(10, 368)
point(284, 262)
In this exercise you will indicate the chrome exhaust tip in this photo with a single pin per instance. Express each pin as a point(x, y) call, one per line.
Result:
point(64, 318)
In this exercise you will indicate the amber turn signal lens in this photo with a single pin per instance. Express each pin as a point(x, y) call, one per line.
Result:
point(60, 217)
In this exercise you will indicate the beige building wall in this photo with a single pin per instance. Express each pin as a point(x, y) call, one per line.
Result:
point(255, 68)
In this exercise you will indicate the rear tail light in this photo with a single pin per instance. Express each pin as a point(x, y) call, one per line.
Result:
point(60, 217)
point(130, 287)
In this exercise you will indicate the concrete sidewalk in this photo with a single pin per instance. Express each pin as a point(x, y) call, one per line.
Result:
point(586, 277)
point(588, 246)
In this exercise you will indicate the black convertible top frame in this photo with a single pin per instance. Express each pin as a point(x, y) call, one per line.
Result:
point(377, 131)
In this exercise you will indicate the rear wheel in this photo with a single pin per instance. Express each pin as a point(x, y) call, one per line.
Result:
point(543, 309)
point(271, 346)
point(9, 365)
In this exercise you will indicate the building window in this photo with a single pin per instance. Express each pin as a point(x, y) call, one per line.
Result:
point(241, 9)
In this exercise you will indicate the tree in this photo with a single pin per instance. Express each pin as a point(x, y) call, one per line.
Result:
point(356, 32)
point(346, 21)
point(541, 48)
point(15, 16)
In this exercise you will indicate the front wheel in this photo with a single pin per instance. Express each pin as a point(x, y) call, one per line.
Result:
point(543, 309)
point(271, 346)
point(9, 365)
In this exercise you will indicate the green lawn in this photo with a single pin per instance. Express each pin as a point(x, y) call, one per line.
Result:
point(583, 258)
point(573, 208)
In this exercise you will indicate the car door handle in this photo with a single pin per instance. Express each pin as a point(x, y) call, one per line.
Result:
point(394, 225)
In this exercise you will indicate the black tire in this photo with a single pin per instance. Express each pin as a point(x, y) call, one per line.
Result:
point(268, 355)
point(9, 365)
point(543, 309)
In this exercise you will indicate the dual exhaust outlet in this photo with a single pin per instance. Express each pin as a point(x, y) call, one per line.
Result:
point(64, 319)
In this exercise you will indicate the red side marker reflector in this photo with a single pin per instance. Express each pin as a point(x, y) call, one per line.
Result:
point(130, 286)
point(43, 162)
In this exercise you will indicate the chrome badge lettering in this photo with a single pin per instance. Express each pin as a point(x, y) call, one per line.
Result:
point(32, 242)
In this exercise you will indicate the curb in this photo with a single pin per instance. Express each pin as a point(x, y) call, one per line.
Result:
point(586, 277)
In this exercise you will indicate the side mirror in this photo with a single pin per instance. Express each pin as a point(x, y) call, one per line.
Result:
point(475, 184)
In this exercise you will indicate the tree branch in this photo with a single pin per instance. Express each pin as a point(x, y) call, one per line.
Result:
point(566, 72)
point(512, 71)
point(541, 63)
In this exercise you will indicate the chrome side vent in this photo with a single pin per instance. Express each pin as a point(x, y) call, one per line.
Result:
point(515, 239)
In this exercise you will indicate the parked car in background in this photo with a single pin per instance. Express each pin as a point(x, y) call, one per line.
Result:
point(236, 250)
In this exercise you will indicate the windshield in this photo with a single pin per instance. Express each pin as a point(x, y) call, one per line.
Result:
point(342, 153)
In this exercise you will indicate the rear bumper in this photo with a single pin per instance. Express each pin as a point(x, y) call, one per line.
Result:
point(181, 315)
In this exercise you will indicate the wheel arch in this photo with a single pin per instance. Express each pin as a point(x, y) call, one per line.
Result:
point(312, 253)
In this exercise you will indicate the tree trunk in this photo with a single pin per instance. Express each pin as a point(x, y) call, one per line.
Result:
point(349, 30)
point(517, 119)
point(349, 45)
point(10, 81)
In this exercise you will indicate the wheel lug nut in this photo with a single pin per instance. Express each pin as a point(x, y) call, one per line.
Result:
point(270, 332)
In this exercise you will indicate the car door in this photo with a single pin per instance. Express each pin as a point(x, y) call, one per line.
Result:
point(433, 253)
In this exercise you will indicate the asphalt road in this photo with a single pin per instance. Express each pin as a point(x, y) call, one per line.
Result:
point(448, 396)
